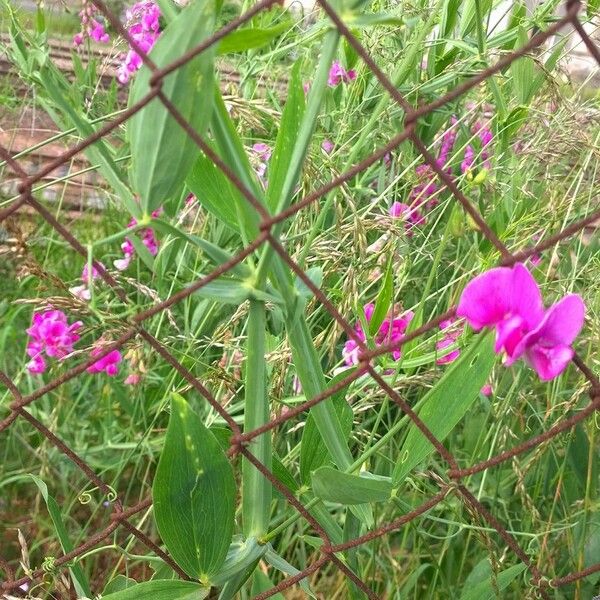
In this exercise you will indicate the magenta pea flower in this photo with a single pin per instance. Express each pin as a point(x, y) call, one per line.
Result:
point(143, 27)
point(108, 364)
point(391, 330)
point(90, 26)
point(451, 334)
point(509, 300)
point(148, 239)
point(327, 146)
point(486, 390)
point(337, 74)
point(50, 334)
point(132, 379)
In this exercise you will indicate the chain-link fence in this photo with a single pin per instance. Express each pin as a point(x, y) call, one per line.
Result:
point(239, 444)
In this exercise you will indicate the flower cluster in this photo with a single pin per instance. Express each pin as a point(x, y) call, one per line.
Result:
point(423, 195)
point(90, 26)
point(337, 74)
point(485, 136)
point(50, 333)
point(391, 330)
point(509, 300)
point(148, 239)
point(142, 26)
point(262, 154)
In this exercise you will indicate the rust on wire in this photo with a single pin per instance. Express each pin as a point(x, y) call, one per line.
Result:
point(265, 222)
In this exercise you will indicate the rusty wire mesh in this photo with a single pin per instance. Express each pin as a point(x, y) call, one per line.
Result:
point(239, 444)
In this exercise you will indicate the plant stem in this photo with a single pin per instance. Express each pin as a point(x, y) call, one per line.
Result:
point(256, 498)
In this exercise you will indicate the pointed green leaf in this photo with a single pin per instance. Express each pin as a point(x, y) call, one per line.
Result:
point(447, 403)
point(488, 589)
point(313, 451)
point(262, 583)
point(194, 495)
point(214, 191)
point(162, 152)
point(334, 486)
point(241, 555)
point(161, 590)
point(254, 37)
point(80, 581)
point(286, 137)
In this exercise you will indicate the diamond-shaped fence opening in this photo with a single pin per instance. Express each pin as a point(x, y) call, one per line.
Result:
point(449, 483)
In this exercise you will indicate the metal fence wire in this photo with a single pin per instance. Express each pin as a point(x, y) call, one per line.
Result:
point(239, 445)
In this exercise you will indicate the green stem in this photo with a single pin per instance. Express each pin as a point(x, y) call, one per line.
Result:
point(256, 498)
point(307, 128)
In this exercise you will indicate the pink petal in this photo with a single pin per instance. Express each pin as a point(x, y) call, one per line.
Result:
point(549, 362)
point(526, 296)
point(486, 300)
point(486, 390)
point(560, 326)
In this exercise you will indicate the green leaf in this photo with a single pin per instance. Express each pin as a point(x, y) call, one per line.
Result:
point(315, 274)
point(255, 37)
point(157, 589)
point(232, 152)
point(261, 583)
point(162, 152)
point(384, 299)
point(488, 589)
point(523, 72)
point(279, 563)
point(286, 137)
point(313, 451)
point(215, 253)
point(368, 20)
point(214, 191)
point(513, 122)
point(447, 403)
point(334, 486)
point(82, 586)
point(240, 555)
point(118, 584)
point(468, 21)
point(194, 494)
point(234, 291)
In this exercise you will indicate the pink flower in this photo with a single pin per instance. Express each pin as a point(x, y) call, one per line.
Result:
point(409, 214)
point(449, 338)
point(509, 300)
point(468, 159)
point(143, 24)
point(132, 379)
point(85, 274)
point(108, 364)
point(90, 26)
point(486, 390)
point(82, 291)
point(262, 151)
point(50, 333)
point(391, 330)
point(148, 239)
point(306, 87)
point(337, 74)
point(327, 146)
